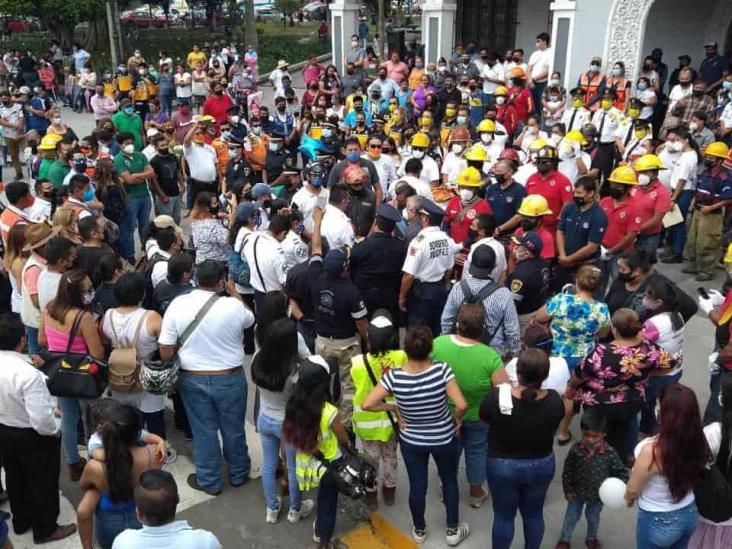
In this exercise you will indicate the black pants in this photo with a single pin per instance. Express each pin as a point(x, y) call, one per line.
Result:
point(618, 418)
point(180, 417)
point(249, 332)
point(201, 186)
point(604, 161)
point(32, 467)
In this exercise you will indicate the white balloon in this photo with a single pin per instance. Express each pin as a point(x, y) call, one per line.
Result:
point(612, 493)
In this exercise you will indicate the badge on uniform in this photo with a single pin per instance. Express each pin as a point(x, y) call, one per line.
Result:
point(516, 286)
point(585, 225)
point(412, 250)
point(621, 215)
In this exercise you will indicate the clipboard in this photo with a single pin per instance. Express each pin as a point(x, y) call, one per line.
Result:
point(673, 217)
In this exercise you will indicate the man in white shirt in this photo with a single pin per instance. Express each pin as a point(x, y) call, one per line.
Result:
point(61, 254)
point(156, 499)
point(384, 165)
point(306, 198)
point(266, 259)
point(484, 225)
point(30, 443)
point(538, 68)
point(41, 208)
point(491, 73)
point(202, 161)
point(168, 245)
point(275, 77)
point(412, 171)
point(430, 173)
point(337, 227)
point(212, 384)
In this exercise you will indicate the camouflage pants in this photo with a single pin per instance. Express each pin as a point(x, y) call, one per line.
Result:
point(383, 453)
point(341, 351)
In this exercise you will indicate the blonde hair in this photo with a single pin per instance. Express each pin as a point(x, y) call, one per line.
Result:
point(588, 278)
point(66, 218)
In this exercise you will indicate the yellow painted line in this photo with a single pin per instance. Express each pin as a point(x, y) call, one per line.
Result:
point(379, 533)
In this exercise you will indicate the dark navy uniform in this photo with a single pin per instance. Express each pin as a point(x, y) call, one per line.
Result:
point(376, 266)
point(580, 227)
point(529, 284)
point(277, 162)
point(505, 202)
point(237, 171)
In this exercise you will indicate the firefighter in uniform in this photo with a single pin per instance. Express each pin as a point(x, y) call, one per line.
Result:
point(606, 120)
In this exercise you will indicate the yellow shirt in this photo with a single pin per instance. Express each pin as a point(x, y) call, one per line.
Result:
point(415, 78)
point(194, 59)
point(124, 82)
point(109, 89)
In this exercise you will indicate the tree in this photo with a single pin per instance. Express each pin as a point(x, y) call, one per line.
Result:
point(287, 7)
point(250, 21)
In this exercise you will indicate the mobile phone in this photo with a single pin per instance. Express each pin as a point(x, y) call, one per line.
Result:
point(321, 202)
point(702, 292)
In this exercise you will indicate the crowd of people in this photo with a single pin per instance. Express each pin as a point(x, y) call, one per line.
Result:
point(450, 259)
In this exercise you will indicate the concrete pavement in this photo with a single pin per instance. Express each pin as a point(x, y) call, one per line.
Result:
point(237, 515)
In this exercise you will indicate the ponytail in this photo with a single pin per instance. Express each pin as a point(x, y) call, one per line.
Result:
point(119, 432)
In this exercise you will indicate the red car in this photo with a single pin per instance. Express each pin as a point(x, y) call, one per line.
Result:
point(143, 19)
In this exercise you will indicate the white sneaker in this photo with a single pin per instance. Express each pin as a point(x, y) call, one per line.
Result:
point(455, 535)
point(316, 537)
point(273, 515)
point(419, 535)
point(171, 456)
point(307, 506)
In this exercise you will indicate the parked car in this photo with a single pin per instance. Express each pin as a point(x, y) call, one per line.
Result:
point(269, 14)
point(143, 19)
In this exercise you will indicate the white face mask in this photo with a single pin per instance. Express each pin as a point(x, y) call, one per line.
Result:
point(486, 138)
point(644, 179)
point(456, 148)
point(88, 297)
point(128, 149)
point(418, 153)
point(466, 195)
point(556, 138)
point(234, 119)
point(674, 146)
point(56, 120)
point(500, 100)
point(693, 126)
point(641, 151)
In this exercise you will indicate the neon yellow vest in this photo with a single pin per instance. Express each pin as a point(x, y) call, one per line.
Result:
point(308, 469)
point(372, 425)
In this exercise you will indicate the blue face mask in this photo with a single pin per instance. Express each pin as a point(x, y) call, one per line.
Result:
point(316, 181)
point(80, 167)
point(89, 194)
point(727, 85)
point(353, 156)
point(327, 132)
point(129, 110)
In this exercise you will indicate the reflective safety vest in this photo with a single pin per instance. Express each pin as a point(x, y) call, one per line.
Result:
point(372, 425)
point(309, 469)
point(621, 91)
point(590, 86)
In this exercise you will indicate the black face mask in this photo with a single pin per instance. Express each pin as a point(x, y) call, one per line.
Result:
point(710, 162)
point(579, 201)
point(625, 277)
point(529, 224)
point(616, 192)
point(214, 210)
point(281, 108)
point(543, 167)
point(697, 93)
point(472, 235)
point(266, 203)
point(500, 178)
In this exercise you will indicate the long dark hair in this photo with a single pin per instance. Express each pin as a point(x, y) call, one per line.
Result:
point(277, 357)
point(301, 427)
point(120, 432)
point(725, 452)
point(532, 368)
point(274, 307)
point(662, 289)
point(69, 296)
point(382, 339)
point(681, 449)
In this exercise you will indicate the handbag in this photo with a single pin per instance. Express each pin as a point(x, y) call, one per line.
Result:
point(352, 473)
point(74, 375)
point(159, 377)
point(713, 494)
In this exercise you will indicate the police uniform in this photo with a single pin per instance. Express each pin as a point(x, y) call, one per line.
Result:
point(277, 162)
point(574, 118)
point(607, 123)
point(529, 284)
point(505, 202)
point(237, 169)
point(430, 255)
point(376, 266)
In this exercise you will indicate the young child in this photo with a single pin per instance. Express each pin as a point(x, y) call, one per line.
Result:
point(588, 464)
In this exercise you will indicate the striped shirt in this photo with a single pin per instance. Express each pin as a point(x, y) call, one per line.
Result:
point(422, 402)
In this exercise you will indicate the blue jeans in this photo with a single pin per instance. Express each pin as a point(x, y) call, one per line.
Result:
point(474, 441)
point(574, 513)
point(217, 403)
point(166, 104)
point(425, 304)
point(137, 215)
point(519, 484)
point(648, 411)
point(670, 530)
point(677, 233)
point(70, 413)
point(649, 243)
point(31, 335)
point(109, 524)
point(270, 433)
point(416, 460)
point(327, 508)
point(172, 208)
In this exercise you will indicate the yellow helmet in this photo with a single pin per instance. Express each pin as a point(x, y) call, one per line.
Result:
point(501, 90)
point(547, 151)
point(575, 136)
point(420, 139)
point(717, 149)
point(534, 205)
point(469, 177)
point(49, 141)
point(623, 174)
point(476, 152)
point(648, 162)
point(537, 144)
point(486, 125)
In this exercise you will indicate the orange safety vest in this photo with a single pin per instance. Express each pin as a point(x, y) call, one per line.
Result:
point(590, 86)
point(618, 85)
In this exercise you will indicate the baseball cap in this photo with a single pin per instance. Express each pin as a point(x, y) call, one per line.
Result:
point(244, 211)
point(482, 262)
point(335, 260)
point(261, 189)
point(530, 241)
point(165, 222)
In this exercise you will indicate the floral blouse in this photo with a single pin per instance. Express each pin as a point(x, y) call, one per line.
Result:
point(611, 374)
point(575, 324)
point(211, 240)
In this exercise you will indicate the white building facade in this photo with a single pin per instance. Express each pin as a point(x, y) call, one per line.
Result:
point(616, 30)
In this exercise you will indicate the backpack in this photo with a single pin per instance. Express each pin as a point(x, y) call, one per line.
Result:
point(148, 302)
point(238, 266)
point(124, 364)
point(480, 297)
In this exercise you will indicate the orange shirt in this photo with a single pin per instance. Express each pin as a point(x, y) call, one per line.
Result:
point(8, 219)
point(222, 154)
point(258, 155)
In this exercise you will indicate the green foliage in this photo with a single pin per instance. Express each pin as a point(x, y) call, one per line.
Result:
point(56, 11)
point(287, 6)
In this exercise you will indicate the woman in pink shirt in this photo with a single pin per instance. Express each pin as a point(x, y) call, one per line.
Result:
point(311, 71)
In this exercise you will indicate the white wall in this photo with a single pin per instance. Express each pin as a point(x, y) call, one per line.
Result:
point(590, 22)
point(533, 17)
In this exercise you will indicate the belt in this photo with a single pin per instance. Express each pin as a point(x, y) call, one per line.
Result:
point(199, 182)
point(227, 372)
point(335, 338)
point(430, 283)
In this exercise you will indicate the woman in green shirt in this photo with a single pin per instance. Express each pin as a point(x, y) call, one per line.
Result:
point(473, 364)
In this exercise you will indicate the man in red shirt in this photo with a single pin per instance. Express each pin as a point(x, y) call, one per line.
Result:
point(519, 95)
point(551, 184)
point(396, 69)
point(218, 104)
point(534, 208)
point(622, 219)
point(462, 209)
point(651, 200)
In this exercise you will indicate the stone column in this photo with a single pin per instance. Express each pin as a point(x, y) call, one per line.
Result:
point(626, 29)
point(438, 29)
point(343, 24)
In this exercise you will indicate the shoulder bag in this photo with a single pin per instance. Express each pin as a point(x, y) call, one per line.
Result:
point(74, 375)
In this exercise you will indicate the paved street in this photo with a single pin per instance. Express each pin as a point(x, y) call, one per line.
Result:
point(237, 515)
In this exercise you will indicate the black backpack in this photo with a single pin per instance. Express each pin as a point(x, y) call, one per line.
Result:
point(480, 297)
point(149, 302)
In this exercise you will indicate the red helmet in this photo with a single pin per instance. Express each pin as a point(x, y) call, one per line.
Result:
point(510, 154)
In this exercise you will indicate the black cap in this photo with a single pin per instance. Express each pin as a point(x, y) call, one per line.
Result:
point(388, 212)
point(685, 57)
point(482, 262)
point(657, 52)
point(576, 92)
point(608, 93)
point(635, 103)
point(430, 208)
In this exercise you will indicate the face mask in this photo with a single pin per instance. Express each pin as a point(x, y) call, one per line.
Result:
point(472, 235)
point(727, 85)
point(634, 113)
point(553, 98)
point(274, 147)
point(644, 179)
point(606, 104)
point(87, 297)
point(56, 120)
point(529, 224)
point(80, 166)
point(625, 277)
point(500, 100)
point(580, 201)
point(214, 210)
point(466, 195)
point(639, 134)
point(256, 130)
point(576, 103)
point(693, 126)
point(544, 167)
point(128, 149)
point(316, 181)
point(486, 138)
point(616, 192)
point(450, 113)
point(499, 177)
point(556, 138)
point(235, 120)
point(89, 194)
point(327, 132)
point(710, 162)
point(461, 120)
point(594, 68)
point(697, 93)
point(641, 86)
point(617, 72)
point(129, 110)
point(353, 156)
point(554, 82)
point(442, 69)
point(354, 43)
point(456, 148)
point(418, 153)
point(674, 146)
